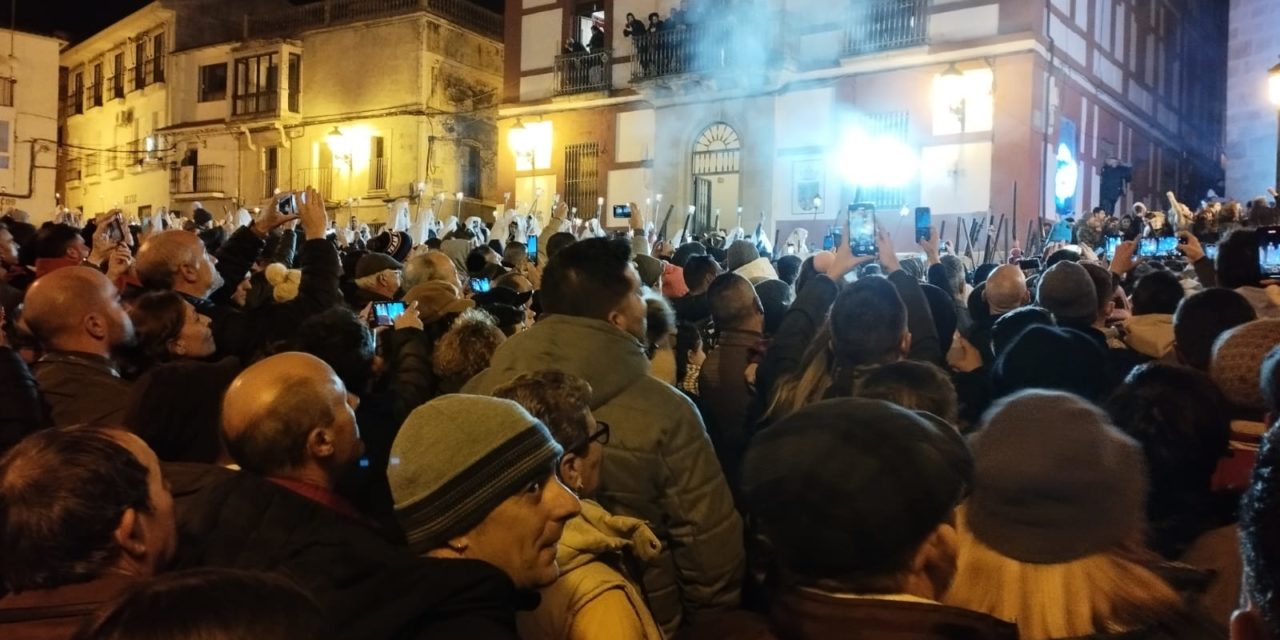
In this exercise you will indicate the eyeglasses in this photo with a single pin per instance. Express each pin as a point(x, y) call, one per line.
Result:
point(601, 435)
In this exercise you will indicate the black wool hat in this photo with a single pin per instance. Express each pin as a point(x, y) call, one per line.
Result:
point(1046, 357)
point(853, 486)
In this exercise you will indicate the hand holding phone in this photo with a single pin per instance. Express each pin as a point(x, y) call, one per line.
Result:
point(480, 285)
point(385, 313)
point(531, 249)
point(845, 261)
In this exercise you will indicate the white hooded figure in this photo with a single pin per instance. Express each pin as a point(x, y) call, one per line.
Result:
point(799, 239)
point(511, 222)
point(421, 225)
point(243, 218)
point(591, 229)
point(477, 228)
point(398, 215)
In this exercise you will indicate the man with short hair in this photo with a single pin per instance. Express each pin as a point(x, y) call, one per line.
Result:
point(1006, 289)
point(475, 486)
point(872, 550)
point(85, 513)
point(75, 315)
point(660, 463)
point(726, 394)
point(1149, 330)
point(288, 418)
point(178, 260)
point(378, 279)
point(693, 307)
point(1201, 318)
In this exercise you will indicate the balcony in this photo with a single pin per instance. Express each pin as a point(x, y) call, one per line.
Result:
point(270, 181)
point(194, 182)
point(72, 174)
point(74, 104)
point(583, 72)
point(261, 103)
point(885, 25)
point(708, 49)
point(91, 166)
point(320, 179)
point(378, 168)
point(333, 12)
point(6, 92)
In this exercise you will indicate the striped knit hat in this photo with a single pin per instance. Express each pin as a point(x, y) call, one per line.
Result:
point(457, 458)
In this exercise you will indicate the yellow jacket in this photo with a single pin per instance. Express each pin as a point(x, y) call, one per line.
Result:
point(593, 598)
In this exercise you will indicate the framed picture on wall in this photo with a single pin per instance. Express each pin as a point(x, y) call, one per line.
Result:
point(807, 182)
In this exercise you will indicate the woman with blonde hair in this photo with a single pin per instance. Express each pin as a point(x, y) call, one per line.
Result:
point(1050, 539)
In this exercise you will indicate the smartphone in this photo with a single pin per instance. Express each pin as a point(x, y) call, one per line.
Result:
point(1269, 251)
point(1210, 251)
point(480, 285)
point(622, 211)
point(862, 228)
point(287, 203)
point(385, 313)
point(1030, 266)
point(1167, 245)
point(1148, 247)
point(1111, 243)
point(829, 240)
point(531, 249)
point(924, 221)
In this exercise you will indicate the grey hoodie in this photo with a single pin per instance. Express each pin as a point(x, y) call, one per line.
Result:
point(658, 466)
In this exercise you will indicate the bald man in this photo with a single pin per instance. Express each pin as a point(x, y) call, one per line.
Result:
point(1006, 289)
point(76, 316)
point(288, 418)
point(433, 265)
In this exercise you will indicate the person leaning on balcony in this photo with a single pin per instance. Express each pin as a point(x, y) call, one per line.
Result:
point(177, 260)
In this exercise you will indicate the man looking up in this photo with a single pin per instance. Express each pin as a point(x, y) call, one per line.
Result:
point(84, 513)
point(76, 316)
point(288, 418)
point(660, 465)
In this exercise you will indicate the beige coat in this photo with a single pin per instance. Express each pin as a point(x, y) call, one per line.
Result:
point(593, 597)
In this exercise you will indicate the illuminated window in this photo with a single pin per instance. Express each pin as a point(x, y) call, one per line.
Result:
point(531, 145)
point(963, 102)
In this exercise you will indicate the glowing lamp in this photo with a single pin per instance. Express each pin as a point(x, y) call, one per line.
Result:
point(337, 141)
point(1067, 174)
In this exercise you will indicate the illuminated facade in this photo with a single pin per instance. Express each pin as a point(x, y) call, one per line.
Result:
point(768, 104)
point(365, 101)
point(1251, 116)
point(28, 122)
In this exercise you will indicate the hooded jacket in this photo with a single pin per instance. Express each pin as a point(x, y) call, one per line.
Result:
point(594, 596)
point(658, 466)
point(1150, 334)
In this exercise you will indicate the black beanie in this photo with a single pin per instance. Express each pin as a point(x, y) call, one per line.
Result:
point(1044, 357)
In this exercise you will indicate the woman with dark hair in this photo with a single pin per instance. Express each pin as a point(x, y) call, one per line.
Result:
point(168, 328)
point(211, 604)
point(1183, 423)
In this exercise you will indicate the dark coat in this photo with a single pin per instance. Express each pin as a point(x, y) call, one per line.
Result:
point(369, 588)
point(20, 408)
point(56, 614)
point(804, 615)
point(246, 333)
point(81, 388)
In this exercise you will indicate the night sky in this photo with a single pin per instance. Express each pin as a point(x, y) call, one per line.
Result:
point(76, 20)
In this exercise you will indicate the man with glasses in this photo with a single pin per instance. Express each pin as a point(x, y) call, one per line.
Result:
point(594, 597)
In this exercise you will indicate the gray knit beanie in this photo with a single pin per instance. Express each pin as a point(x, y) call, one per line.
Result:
point(740, 253)
point(1067, 291)
point(457, 458)
point(1054, 480)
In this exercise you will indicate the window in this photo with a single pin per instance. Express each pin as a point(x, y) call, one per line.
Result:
point(257, 87)
point(963, 103)
point(377, 164)
point(97, 85)
point(157, 58)
point(117, 76)
point(139, 64)
point(295, 82)
point(581, 174)
point(76, 99)
point(213, 82)
point(4, 144)
point(270, 170)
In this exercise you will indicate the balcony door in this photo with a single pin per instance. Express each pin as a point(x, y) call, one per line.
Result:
point(716, 158)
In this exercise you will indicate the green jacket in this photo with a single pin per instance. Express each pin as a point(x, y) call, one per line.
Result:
point(659, 465)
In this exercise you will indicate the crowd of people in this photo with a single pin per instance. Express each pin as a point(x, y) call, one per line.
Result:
point(545, 429)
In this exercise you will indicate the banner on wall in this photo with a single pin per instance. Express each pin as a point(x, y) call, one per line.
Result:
point(1066, 172)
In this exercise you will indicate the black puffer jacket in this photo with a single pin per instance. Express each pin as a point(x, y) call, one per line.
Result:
point(20, 410)
point(369, 588)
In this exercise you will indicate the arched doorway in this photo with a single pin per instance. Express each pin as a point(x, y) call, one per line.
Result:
point(716, 157)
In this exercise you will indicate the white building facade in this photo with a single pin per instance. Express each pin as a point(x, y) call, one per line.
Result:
point(367, 102)
point(28, 122)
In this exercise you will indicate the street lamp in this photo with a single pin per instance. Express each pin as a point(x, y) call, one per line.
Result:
point(1273, 90)
point(952, 93)
point(337, 142)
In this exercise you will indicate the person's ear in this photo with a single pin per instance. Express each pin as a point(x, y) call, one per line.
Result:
point(320, 442)
point(95, 326)
point(935, 560)
point(177, 347)
point(1109, 309)
point(1247, 623)
point(189, 273)
point(618, 319)
point(905, 344)
point(129, 535)
point(571, 471)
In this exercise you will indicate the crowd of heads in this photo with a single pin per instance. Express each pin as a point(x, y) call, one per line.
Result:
point(223, 435)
